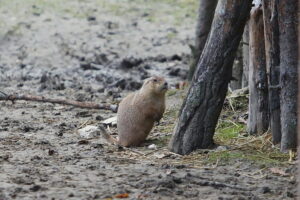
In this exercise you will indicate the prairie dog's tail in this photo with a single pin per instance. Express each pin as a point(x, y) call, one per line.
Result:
point(107, 136)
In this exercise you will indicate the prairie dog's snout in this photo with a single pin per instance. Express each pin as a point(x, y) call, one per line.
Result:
point(165, 85)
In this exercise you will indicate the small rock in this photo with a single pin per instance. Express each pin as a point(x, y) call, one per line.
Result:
point(91, 18)
point(221, 148)
point(89, 132)
point(110, 121)
point(152, 146)
point(99, 118)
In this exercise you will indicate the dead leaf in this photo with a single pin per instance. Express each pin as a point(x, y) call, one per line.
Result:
point(122, 196)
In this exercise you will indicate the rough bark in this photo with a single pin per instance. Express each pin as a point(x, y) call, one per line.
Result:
point(258, 86)
point(272, 62)
point(245, 78)
point(298, 175)
point(287, 19)
point(203, 104)
point(237, 70)
point(206, 13)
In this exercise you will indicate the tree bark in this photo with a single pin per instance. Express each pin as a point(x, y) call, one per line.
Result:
point(258, 86)
point(245, 78)
point(272, 62)
point(206, 13)
point(287, 19)
point(203, 104)
point(237, 70)
point(298, 177)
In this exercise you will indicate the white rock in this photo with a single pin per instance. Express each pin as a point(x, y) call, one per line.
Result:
point(221, 148)
point(89, 132)
point(110, 121)
point(160, 155)
point(152, 146)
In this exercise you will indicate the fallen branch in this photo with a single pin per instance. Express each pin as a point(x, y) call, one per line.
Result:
point(89, 105)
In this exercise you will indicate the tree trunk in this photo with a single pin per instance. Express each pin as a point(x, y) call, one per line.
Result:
point(203, 104)
point(298, 177)
point(237, 70)
point(206, 13)
point(272, 62)
point(258, 85)
point(245, 78)
point(288, 20)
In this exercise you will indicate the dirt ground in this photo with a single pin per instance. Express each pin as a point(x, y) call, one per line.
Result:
point(99, 51)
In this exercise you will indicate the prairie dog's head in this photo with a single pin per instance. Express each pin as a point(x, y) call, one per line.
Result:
point(155, 85)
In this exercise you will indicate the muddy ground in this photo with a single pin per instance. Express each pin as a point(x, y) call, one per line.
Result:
point(99, 51)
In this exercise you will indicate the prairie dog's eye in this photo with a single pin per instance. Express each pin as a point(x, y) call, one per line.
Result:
point(155, 80)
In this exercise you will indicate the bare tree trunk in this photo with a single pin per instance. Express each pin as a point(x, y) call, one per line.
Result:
point(203, 104)
point(206, 13)
point(245, 78)
point(287, 15)
point(273, 61)
point(298, 177)
point(258, 86)
point(237, 70)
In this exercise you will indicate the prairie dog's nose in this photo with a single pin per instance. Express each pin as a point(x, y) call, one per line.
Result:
point(165, 85)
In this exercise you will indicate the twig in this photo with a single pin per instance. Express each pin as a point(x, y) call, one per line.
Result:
point(152, 151)
point(134, 151)
point(231, 105)
point(4, 94)
point(89, 105)
point(83, 124)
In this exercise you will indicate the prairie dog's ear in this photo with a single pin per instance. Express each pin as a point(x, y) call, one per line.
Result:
point(148, 80)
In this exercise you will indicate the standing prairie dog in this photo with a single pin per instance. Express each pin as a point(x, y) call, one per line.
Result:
point(138, 112)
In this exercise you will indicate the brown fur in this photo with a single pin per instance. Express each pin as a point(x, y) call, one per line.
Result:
point(138, 111)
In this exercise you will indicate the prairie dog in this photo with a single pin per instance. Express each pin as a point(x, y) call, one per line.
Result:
point(138, 112)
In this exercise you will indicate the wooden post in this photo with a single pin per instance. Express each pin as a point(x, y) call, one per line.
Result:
point(258, 122)
point(288, 37)
point(203, 104)
point(272, 61)
point(206, 13)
